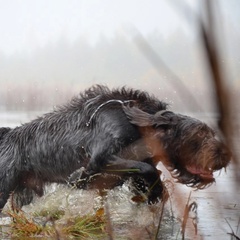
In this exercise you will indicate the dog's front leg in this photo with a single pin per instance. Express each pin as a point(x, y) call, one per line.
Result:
point(138, 170)
point(80, 177)
point(124, 168)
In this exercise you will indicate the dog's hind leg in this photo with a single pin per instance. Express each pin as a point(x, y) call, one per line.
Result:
point(22, 196)
point(21, 185)
point(8, 182)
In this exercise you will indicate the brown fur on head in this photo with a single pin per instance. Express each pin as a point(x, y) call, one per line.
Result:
point(191, 151)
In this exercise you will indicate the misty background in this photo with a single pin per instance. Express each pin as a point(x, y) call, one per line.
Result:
point(52, 50)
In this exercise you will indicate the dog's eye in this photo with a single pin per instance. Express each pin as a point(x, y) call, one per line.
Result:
point(195, 146)
point(201, 134)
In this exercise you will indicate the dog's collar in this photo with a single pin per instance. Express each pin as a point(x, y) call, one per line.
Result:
point(104, 104)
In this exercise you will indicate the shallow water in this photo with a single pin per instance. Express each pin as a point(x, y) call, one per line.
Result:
point(218, 207)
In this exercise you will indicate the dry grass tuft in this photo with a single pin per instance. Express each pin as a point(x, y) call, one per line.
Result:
point(24, 226)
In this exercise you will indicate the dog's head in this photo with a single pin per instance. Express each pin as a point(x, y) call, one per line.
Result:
point(192, 150)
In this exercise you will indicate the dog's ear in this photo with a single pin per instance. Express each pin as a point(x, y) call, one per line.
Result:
point(144, 119)
point(164, 117)
point(137, 116)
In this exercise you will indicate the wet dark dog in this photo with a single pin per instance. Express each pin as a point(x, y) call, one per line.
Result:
point(122, 133)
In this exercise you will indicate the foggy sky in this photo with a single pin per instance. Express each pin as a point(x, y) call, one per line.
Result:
point(27, 24)
point(52, 48)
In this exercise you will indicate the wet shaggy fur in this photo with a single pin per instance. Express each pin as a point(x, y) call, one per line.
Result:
point(122, 132)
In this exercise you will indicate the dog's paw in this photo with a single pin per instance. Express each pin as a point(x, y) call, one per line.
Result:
point(78, 179)
point(147, 197)
point(150, 193)
point(158, 193)
point(154, 198)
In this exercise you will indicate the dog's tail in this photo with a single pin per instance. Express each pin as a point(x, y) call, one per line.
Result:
point(3, 131)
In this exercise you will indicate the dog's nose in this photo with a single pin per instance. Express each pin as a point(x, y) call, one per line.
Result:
point(224, 157)
point(225, 151)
